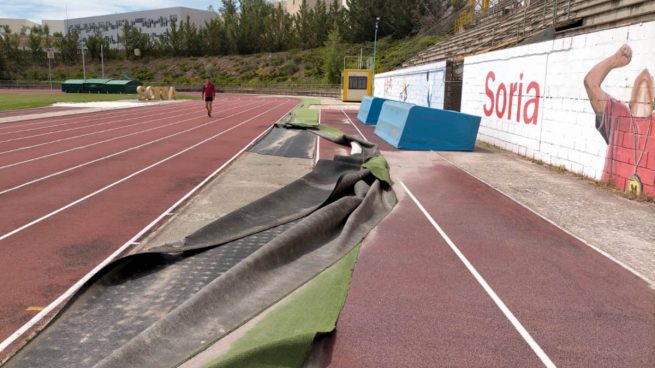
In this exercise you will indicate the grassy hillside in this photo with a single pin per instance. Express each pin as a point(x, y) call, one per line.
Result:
point(284, 68)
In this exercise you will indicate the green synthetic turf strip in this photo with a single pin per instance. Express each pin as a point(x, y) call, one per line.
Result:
point(306, 102)
point(379, 168)
point(305, 116)
point(13, 101)
point(336, 133)
point(284, 337)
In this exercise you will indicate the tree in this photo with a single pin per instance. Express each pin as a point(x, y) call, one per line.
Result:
point(231, 23)
point(337, 15)
point(278, 35)
point(321, 24)
point(214, 34)
point(35, 43)
point(132, 38)
point(171, 41)
point(332, 57)
point(251, 27)
point(191, 38)
point(68, 46)
point(360, 18)
point(97, 43)
point(401, 17)
point(304, 25)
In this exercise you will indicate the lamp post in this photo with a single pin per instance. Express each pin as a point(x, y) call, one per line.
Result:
point(51, 55)
point(102, 60)
point(375, 40)
point(83, 64)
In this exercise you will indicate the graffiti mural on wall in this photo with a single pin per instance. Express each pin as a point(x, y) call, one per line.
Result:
point(403, 91)
point(583, 102)
point(505, 97)
point(627, 128)
point(421, 85)
point(388, 86)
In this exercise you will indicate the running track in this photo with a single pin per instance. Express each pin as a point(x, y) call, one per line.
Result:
point(460, 275)
point(74, 189)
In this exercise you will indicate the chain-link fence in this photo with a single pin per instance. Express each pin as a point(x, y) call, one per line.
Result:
point(321, 90)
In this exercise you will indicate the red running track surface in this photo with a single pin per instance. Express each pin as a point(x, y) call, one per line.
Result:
point(414, 303)
point(67, 204)
point(37, 110)
point(346, 121)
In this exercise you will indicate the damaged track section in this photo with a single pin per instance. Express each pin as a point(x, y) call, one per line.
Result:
point(159, 307)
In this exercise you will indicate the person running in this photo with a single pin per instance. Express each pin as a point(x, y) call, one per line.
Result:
point(208, 94)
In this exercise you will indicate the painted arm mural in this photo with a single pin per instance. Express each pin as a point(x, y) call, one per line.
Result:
point(597, 97)
point(627, 129)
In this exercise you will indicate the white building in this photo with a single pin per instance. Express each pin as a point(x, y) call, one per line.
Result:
point(15, 25)
point(54, 25)
point(293, 6)
point(151, 22)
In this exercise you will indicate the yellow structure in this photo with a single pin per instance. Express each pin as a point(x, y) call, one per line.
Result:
point(356, 84)
point(156, 93)
point(467, 15)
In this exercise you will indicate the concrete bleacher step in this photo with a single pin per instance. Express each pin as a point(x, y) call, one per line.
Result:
point(497, 31)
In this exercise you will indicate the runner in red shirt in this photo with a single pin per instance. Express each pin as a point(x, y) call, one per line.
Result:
point(627, 129)
point(208, 94)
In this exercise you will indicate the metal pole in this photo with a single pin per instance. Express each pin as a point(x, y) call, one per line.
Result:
point(361, 56)
point(102, 61)
point(83, 64)
point(375, 40)
point(49, 74)
point(554, 13)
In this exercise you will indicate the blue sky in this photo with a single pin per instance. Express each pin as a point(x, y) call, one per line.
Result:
point(36, 10)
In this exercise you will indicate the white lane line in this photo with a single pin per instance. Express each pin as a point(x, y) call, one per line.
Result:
point(111, 121)
point(80, 121)
point(123, 151)
point(50, 120)
point(318, 141)
point(104, 141)
point(648, 281)
point(353, 124)
point(80, 200)
point(68, 293)
point(88, 134)
point(501, 305)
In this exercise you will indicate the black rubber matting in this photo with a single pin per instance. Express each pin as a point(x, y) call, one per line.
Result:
point(286, 143)
point(112, 313)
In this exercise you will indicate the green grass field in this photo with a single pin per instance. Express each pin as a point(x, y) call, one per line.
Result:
point(14, 101)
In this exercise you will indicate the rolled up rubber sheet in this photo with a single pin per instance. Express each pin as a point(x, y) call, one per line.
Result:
point(159, 307)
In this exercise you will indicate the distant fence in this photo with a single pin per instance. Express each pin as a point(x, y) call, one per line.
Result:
point(321, 90)
point(29, 84)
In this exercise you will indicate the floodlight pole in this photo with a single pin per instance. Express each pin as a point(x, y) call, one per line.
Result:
point(83, 64)
point(49, 73)
point(102, 60)
point(375, 40)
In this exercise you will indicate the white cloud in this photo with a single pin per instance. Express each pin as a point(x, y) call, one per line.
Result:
point(37, 10)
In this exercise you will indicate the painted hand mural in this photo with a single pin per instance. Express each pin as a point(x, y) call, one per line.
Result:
point(627, 128)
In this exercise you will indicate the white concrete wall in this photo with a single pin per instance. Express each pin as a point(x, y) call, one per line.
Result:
point(564, 131)
point(421, 85)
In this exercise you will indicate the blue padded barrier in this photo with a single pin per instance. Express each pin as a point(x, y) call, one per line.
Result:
point(369, 110)
point(408, 126)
